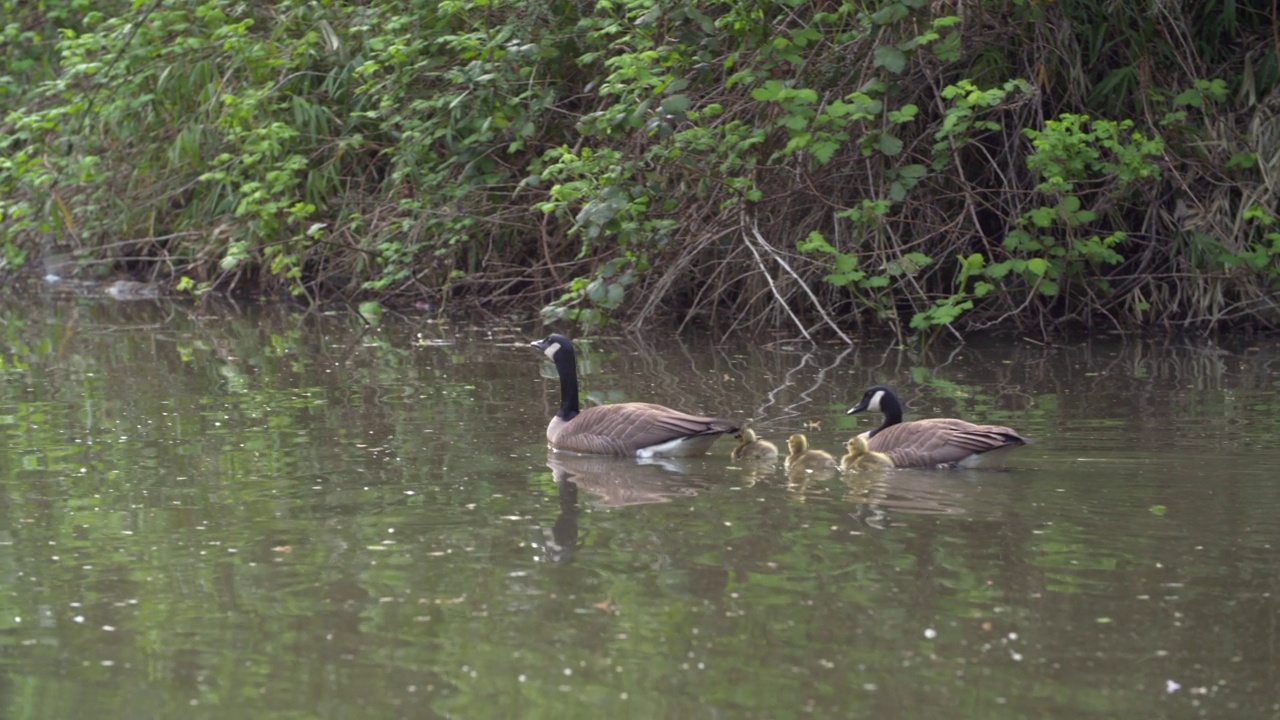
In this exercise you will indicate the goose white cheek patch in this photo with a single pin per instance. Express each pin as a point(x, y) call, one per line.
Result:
point(551, 350)
point(875, 400)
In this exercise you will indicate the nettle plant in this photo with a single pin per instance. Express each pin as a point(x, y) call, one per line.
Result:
point(1082, 162)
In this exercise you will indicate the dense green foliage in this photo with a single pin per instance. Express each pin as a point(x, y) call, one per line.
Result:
point(914, 164)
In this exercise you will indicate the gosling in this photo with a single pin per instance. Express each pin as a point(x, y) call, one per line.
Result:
point(860, 457)
point(804, 459)
point(750, 447)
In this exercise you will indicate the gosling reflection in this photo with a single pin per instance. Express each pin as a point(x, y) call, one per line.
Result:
point(881, 494)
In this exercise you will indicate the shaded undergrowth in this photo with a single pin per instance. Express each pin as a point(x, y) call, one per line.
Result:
point(831, 166)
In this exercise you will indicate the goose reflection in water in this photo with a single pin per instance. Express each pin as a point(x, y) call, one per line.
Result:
point(611, 482)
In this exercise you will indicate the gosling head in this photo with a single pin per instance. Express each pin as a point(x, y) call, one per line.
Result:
point(858, 445)
point(797, 444)
point(746, 436)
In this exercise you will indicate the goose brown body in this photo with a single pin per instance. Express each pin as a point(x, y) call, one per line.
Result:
point(627, 429)
point(931, 442)
point(750, 447)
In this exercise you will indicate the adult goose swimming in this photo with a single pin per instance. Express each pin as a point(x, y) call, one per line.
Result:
point(626, 429)
point(933, 442)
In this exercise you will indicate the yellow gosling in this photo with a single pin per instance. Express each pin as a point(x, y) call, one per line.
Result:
point(750, 447)
point(804, 459)
point(860, 457)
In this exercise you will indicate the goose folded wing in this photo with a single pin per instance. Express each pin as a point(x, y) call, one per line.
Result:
point(616, 428)
point(924, 443)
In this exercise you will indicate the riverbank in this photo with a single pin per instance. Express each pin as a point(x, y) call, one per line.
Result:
point(923, 169)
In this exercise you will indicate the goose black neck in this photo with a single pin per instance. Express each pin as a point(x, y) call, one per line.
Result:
point(567, 368)
point(892, 410)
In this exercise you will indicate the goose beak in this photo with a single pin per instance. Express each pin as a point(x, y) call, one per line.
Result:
point(862, 405)
point(540, 344)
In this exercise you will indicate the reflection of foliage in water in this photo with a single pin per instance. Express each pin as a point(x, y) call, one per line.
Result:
point(281, 514)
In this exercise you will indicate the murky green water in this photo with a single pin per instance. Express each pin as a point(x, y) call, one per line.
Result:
point(226, 513)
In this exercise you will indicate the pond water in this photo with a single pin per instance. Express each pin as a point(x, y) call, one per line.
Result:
point(231, 512)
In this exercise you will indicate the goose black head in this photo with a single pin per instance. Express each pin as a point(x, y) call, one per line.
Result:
point(879, 398)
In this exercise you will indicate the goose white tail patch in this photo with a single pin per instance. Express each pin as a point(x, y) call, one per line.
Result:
point(551, 350)
point(687, 446)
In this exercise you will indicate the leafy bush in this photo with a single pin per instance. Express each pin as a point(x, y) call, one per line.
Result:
point(906, 164)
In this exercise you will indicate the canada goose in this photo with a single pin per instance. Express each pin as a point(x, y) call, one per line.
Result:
point(860, 456)
point(804, 459)
point(932, 442)
point(750, 447)
point(631, 429)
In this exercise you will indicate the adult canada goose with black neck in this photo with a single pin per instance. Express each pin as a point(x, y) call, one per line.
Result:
point(624, 429)
point(931, 442)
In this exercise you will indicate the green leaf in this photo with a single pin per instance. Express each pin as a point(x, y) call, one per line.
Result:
point(771, 90)
point(890, 58)
point(1243, 161)
point(815, 242)
point(890, 13)
point(904, 114)
point(1038, 266)
point(371, 311)
point(1190, 97)
point(675, 104)
point(890, 145)
point(999, 270)
point(615, 295)
point(806, 95)
point(1043, 216)
point(823, 150)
